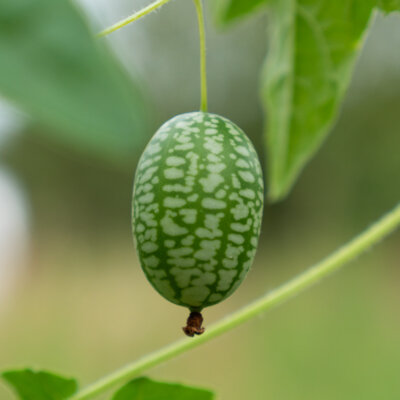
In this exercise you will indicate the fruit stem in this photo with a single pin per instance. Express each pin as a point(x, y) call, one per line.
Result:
point(134, 17)
point(203, 55)
point(305, 280)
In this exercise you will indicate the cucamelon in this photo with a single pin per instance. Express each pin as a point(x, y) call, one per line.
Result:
point(197, 210)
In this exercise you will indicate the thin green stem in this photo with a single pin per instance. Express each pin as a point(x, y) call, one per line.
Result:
point(203, 55)
point(354, 248)
point(134, 17)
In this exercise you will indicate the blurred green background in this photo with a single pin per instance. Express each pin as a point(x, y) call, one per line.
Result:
point(82, 306)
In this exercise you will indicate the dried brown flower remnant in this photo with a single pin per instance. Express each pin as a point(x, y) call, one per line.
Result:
point(194, 324)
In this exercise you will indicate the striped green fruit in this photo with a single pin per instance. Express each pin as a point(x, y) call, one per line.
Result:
point(197, 209)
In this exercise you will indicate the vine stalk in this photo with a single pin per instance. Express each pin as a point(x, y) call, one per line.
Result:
point(203, 55)
point(332, 263)
point(134, 17)
point(202, 34)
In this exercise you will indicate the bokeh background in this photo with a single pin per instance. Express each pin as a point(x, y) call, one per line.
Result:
point(73, 298)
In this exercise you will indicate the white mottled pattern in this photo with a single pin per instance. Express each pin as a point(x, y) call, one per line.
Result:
point(197, 209)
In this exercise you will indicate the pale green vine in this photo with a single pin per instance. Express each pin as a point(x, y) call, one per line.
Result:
point(134, 17)
point(203, 57)
point(332, 263)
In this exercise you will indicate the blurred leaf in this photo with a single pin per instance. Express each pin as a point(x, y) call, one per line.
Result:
point(313, 48)
point(31, 385)
point(229, 10)
point(146, 389)
point(53, 68)
point(389, 5)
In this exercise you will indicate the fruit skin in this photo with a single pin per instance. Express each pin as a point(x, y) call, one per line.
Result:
point(197, 209)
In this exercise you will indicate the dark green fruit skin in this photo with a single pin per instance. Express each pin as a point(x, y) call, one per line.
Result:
point(197, 209)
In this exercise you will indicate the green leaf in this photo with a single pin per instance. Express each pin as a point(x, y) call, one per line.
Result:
point(389, 5)
point(53, 67)
point(313, 48)
point(229, 10)
point(31, 385)
point(146, 389)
